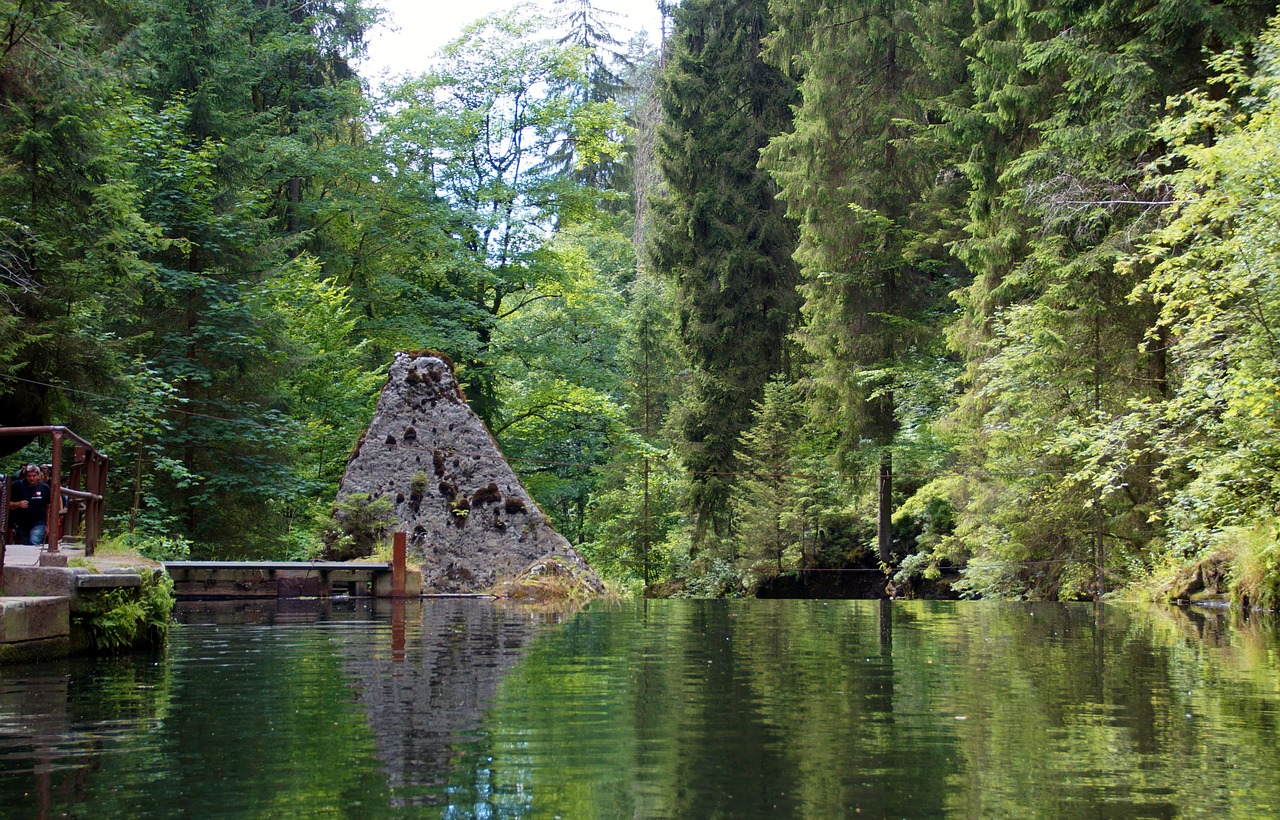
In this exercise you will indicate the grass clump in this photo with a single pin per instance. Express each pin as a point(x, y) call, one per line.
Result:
point(549, 581)
point(1255, 566)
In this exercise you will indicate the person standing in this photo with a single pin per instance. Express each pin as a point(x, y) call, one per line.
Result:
point(29, 500)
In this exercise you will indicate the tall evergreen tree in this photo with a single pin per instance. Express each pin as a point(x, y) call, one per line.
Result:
point(70, 231)
point(864, 176)
point(721, 235)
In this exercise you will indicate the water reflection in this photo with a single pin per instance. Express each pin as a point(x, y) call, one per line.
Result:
point(427, 695)
point(58, 719)
point(464, 708)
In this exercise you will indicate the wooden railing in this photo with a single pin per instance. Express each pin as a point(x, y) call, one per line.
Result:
point(85, 490)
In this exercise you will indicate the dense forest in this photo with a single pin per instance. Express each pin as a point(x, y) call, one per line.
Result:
point(982, 293)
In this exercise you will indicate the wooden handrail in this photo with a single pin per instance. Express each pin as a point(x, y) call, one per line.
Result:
point(89, 466)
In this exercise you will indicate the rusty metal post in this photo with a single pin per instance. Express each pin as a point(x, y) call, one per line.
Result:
point(397, 565)
point(53, 517)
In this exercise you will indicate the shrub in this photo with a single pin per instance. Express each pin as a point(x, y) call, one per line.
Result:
point(356, 526)
point(129, 618)
point(162, 547)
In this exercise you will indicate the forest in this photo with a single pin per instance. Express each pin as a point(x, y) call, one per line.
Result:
point(978, 294)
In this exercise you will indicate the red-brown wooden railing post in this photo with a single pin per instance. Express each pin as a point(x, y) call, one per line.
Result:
point(75, 481)
point(398, 565)
point(96, 483)
point(53, 514)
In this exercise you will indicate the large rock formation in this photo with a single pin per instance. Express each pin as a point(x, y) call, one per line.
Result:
point(469, 520)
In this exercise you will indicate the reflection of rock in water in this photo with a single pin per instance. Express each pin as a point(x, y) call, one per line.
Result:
point(454, 659)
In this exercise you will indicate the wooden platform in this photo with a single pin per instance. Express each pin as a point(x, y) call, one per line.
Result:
point(285, 579)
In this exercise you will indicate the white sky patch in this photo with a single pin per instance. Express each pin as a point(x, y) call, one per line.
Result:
point(414, 30)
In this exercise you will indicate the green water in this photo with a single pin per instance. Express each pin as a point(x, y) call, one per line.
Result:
point(658, 709)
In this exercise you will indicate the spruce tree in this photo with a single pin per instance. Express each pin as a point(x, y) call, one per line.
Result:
point(721, 235)
point(863, 174)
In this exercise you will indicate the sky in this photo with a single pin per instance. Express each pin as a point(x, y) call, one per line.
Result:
point(416, 29)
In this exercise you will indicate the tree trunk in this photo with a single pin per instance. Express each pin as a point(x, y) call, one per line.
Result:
point(884, 521)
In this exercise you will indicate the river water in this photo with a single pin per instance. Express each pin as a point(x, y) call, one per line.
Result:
point(699, 709)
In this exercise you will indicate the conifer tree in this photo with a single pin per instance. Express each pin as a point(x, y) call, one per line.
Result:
point(1061, 126)
point(863, 175)
point(721, 236)
point(770, 521)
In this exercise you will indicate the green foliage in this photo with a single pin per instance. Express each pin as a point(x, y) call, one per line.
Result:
point(478, 133)
point(355, 526)
point(1067, 359)
point(634, 517)
point(209, 230)
point(1255, 571)
point(129, 618)
point(562, 419)
point(159, 547)
point(721, 238)
point(1214, 281)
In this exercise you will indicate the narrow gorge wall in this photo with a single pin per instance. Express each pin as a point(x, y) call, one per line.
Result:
point(470, 522)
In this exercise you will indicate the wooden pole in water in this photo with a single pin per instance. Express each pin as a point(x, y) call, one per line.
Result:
point(397, 565)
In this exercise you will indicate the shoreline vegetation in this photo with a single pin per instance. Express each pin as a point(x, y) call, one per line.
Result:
point(978, 300)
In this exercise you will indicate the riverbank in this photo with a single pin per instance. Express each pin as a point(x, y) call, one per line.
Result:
point(58, 604)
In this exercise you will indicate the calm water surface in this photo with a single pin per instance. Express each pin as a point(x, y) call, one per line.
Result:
point(658, 709)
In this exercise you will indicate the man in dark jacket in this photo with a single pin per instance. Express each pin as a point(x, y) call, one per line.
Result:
point(29, 506)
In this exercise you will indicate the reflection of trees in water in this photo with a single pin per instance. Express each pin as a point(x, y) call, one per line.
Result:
point(426, 700)
point(49, 746)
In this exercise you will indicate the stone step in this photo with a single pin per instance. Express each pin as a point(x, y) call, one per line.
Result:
point(34, 618)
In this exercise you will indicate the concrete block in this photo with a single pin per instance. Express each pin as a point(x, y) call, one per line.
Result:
point(34, 618)
point(27, 580)
point(412, 584)
point(109, 580)
point(42, 649)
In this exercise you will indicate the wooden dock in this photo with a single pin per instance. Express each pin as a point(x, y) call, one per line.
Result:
point(287, 579)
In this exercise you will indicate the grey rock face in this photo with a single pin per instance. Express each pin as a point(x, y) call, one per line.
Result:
point(469, 520)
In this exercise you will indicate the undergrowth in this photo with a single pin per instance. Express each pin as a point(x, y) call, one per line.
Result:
point(129, 617)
